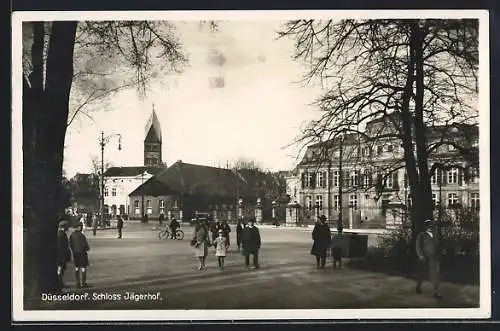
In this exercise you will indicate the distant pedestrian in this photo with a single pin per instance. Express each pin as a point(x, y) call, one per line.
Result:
point(226, 230)
point(95, 222)
point(321, 236)
point(240, 226)
point(119, 226)
point(174, 225)
point(221, 245)
point(161, 218)
point(200, 243)
point(79, 246)
point(82, 222)
point(428, 259)
point(63, 251)
point(251, 244)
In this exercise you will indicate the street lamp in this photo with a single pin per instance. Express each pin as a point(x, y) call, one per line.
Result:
point(274, 213)
point(102, 142)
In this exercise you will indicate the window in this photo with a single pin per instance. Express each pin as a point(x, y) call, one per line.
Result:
point(113, 191)
point(353, 179)
point(309, 202)
point(353, 201)
point(380, 150)
point(162, 206)
point(434, 199)
point(366, 179)
point(175, 204)
point(149, 209)
point(336, 202)
point(106, 193)
point(389, 148)
point(474, 201)
point(452, 199)
point(434, 177)
point(309, 179)
point(336, 177)
point(409, 201)
point(319, 202)
point(136, 207)
point(474, 175)
point(451, 148)
point(453, 176)
point(366, 151)
point(321, 179)
point(389, 182)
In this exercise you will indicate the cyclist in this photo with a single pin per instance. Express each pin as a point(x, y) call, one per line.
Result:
point(174, 225)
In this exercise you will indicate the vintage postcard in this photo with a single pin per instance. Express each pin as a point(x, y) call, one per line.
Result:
point(250, 165)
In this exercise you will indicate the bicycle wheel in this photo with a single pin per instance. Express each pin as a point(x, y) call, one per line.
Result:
point(179, 234)
point(162, 234)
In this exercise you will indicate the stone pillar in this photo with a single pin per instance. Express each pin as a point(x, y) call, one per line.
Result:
point(292, 214)
point(240, 208)
point(258, 211)
point(351, 217)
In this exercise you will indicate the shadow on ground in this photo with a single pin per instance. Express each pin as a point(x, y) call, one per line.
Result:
point(462, 270)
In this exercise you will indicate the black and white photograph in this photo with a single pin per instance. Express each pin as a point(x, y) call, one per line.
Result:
point(243, 165)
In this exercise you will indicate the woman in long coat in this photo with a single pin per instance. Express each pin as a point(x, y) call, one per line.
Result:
point(321, 236)
point(200, 243)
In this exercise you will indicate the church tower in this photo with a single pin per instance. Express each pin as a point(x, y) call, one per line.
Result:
point(152, 142)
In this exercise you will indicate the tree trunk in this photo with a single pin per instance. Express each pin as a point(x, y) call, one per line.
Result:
point(425, 197)
point(44, 169)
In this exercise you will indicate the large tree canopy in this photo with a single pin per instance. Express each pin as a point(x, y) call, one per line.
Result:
point(423, 70)
point(67, 66)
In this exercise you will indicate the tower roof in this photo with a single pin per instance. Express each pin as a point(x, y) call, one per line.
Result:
point(153, 128)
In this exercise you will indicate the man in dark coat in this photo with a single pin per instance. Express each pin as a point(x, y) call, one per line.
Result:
point(161, 218)
point(240, 226)
point(226, 229)
point(119, 226)
point(174, 225)
point(428, 259)
point(63, 251)
point(251, 244)
point(321, 236)
point(80, 247)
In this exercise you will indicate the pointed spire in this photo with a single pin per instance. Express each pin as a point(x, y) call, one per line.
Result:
point(153, 124)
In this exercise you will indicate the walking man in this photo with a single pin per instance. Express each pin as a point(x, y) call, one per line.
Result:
point(428, 259)
point(80, 247)
point(63, 251)
point(119, 226)
point(95, 221)
point(321, 236)
point(240, 226)
point(251, 244)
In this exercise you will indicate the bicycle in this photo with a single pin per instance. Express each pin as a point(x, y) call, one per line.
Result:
point(179, 234)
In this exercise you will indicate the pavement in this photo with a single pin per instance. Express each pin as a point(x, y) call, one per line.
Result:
point(141, 271)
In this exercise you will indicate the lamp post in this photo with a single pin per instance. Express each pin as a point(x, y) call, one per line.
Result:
point(102, 142)
point(274, 213)
point(340, 226)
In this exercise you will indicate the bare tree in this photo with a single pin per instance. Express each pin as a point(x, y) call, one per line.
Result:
point(409, 75)
point(51, 51)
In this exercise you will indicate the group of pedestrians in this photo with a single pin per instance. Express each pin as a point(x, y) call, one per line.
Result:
point(247, 236)
point(426, 249)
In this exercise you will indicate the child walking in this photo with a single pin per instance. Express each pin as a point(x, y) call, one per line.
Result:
point(221, 245)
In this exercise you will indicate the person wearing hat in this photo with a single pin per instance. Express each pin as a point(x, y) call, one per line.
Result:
point(221, 245)
point(428, 259)
point(174, 225)
point(240, 226)
point(80, 247)
point(251, 244)
point(322, 240)
point(63, 251)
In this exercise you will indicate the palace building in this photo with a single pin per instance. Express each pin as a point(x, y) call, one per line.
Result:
point(365, 178)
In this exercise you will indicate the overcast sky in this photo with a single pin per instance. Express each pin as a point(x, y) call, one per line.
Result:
point(257, 112)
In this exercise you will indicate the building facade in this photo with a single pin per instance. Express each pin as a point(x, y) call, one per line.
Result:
point(362, 179)
point(119, 182)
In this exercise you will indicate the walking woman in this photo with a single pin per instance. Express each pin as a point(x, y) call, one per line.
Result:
point(200, 243)
point(321, 236)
